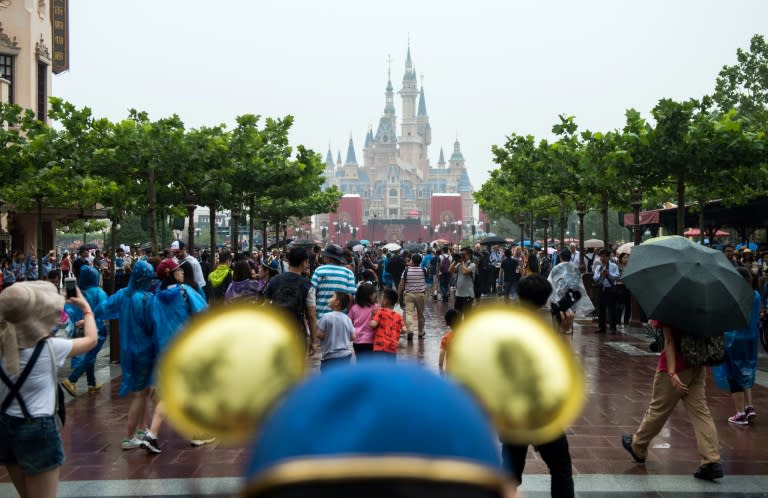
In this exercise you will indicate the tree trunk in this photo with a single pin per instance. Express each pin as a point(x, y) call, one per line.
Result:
point(562, 221)
point(264, 236)
point(251, 226)
point(212, 231)
point(191, 226)
point(701, 222)
point(522, 232)
point(680, 205)
point(113, 244)
point(604, 211)
point(152, 215)
point(39, 236)
point(581, 211)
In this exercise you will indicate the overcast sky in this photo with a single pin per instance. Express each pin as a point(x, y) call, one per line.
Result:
point(490, 67)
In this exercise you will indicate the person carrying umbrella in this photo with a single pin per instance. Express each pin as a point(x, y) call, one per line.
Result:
point(692, 291)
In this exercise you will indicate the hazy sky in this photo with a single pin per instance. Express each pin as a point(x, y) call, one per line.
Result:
point(490, 68)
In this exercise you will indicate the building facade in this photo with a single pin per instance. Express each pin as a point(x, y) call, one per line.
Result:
point(396, 181)
point(33, 41)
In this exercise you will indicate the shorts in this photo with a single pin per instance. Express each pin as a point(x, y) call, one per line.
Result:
point(34, 445)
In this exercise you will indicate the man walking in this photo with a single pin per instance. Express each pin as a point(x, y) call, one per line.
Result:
point(604, 276)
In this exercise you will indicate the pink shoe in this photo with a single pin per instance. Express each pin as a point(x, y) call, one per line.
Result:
point(739, 419)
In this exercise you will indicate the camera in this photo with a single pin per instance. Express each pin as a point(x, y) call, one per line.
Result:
point(565, 302)
point(70, 286)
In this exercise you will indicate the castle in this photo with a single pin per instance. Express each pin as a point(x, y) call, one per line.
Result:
point(397, 187)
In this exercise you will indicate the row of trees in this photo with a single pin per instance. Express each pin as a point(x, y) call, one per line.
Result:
point(137, 165)
point(699, 149)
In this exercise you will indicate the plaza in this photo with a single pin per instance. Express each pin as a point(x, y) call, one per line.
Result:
point(618, 369)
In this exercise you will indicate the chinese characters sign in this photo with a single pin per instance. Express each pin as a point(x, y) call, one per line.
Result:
point(60, 31)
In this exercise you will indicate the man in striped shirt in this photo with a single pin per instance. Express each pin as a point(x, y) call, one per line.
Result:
point(413, 285)
point(332, 276)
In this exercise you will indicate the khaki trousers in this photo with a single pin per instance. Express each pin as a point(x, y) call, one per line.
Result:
point(414, 311)
point(663, 401)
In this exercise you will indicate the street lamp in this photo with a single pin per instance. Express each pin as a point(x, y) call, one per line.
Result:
point(460, 230)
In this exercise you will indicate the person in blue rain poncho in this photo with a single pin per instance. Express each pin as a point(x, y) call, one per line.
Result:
point(737, 374)
point(85, 363)
point(171, 307)
point(131, 306)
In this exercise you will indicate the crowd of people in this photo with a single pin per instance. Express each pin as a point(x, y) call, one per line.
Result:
point(347, 303)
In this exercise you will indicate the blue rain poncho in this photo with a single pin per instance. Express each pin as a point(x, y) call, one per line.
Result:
point(171, 308)
point(131, 306)
point(95, 295)
point(741, 347)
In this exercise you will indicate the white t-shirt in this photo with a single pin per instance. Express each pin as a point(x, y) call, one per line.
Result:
point(39, 390)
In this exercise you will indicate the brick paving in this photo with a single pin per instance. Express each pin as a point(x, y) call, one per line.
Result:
point(619, 372)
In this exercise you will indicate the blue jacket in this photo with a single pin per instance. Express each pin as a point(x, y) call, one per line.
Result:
point(171, 308)
point(132, 306)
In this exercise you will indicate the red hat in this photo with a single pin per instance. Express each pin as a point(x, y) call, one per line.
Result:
point(165, 268)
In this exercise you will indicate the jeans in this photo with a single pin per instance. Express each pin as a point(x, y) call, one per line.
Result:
point(445, 286)
point(555, 454)
point(86, 363)
point(510, 291)
point(34, 444)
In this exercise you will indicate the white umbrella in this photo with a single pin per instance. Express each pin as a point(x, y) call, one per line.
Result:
point(625, 248)
point(593, 244)
point(358, 248)
point(392, 247)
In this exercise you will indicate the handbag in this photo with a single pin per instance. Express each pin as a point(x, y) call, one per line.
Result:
point(61, 408)
point(703, 351)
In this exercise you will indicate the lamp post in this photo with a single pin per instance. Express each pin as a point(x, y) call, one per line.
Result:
point(373, 230)
point(545, 220)
point(324, 233)
point(581, 209)
point(460, 231)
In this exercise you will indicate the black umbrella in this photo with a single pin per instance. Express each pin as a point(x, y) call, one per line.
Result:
point(303, 243)
point(90, 246)
point(414, 248)
point(493, 240)
point(689, 286)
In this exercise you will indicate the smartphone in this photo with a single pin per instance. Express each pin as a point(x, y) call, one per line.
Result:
point(70, 286)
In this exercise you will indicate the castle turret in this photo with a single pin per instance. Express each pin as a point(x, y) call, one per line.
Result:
point(368, 149)
point(441, 161)
point(457, 158)
point(409, 140)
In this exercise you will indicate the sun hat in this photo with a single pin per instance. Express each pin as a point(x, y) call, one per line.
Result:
point(28, 312)
point(334, 252)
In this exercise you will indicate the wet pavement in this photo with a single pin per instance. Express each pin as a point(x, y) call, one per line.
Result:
point(619, 371)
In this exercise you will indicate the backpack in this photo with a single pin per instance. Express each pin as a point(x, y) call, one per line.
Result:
point(445, 263)
point(703, 351)
point(289, 295)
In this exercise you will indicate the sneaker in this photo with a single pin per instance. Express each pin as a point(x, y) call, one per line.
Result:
point(410, 336)
point(739, 419)
point(69, 387)
point(709, 471)
point(94, 389)
point(750, 412)
point(149, 442)
point(202, 442)
point(129, 444)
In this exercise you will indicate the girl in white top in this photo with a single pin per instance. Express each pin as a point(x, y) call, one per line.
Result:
point(30, 444)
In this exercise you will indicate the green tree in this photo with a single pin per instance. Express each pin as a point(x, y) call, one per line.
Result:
point(744, 85)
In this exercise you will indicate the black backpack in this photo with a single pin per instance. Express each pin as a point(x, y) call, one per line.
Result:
point(290, 296)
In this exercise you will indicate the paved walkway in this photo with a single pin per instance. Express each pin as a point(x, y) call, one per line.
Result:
point(619, 371)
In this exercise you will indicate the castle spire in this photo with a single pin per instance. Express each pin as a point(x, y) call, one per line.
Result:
point(441, 161)
point(422, 102)
point(351, 159)
point(329, 158)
